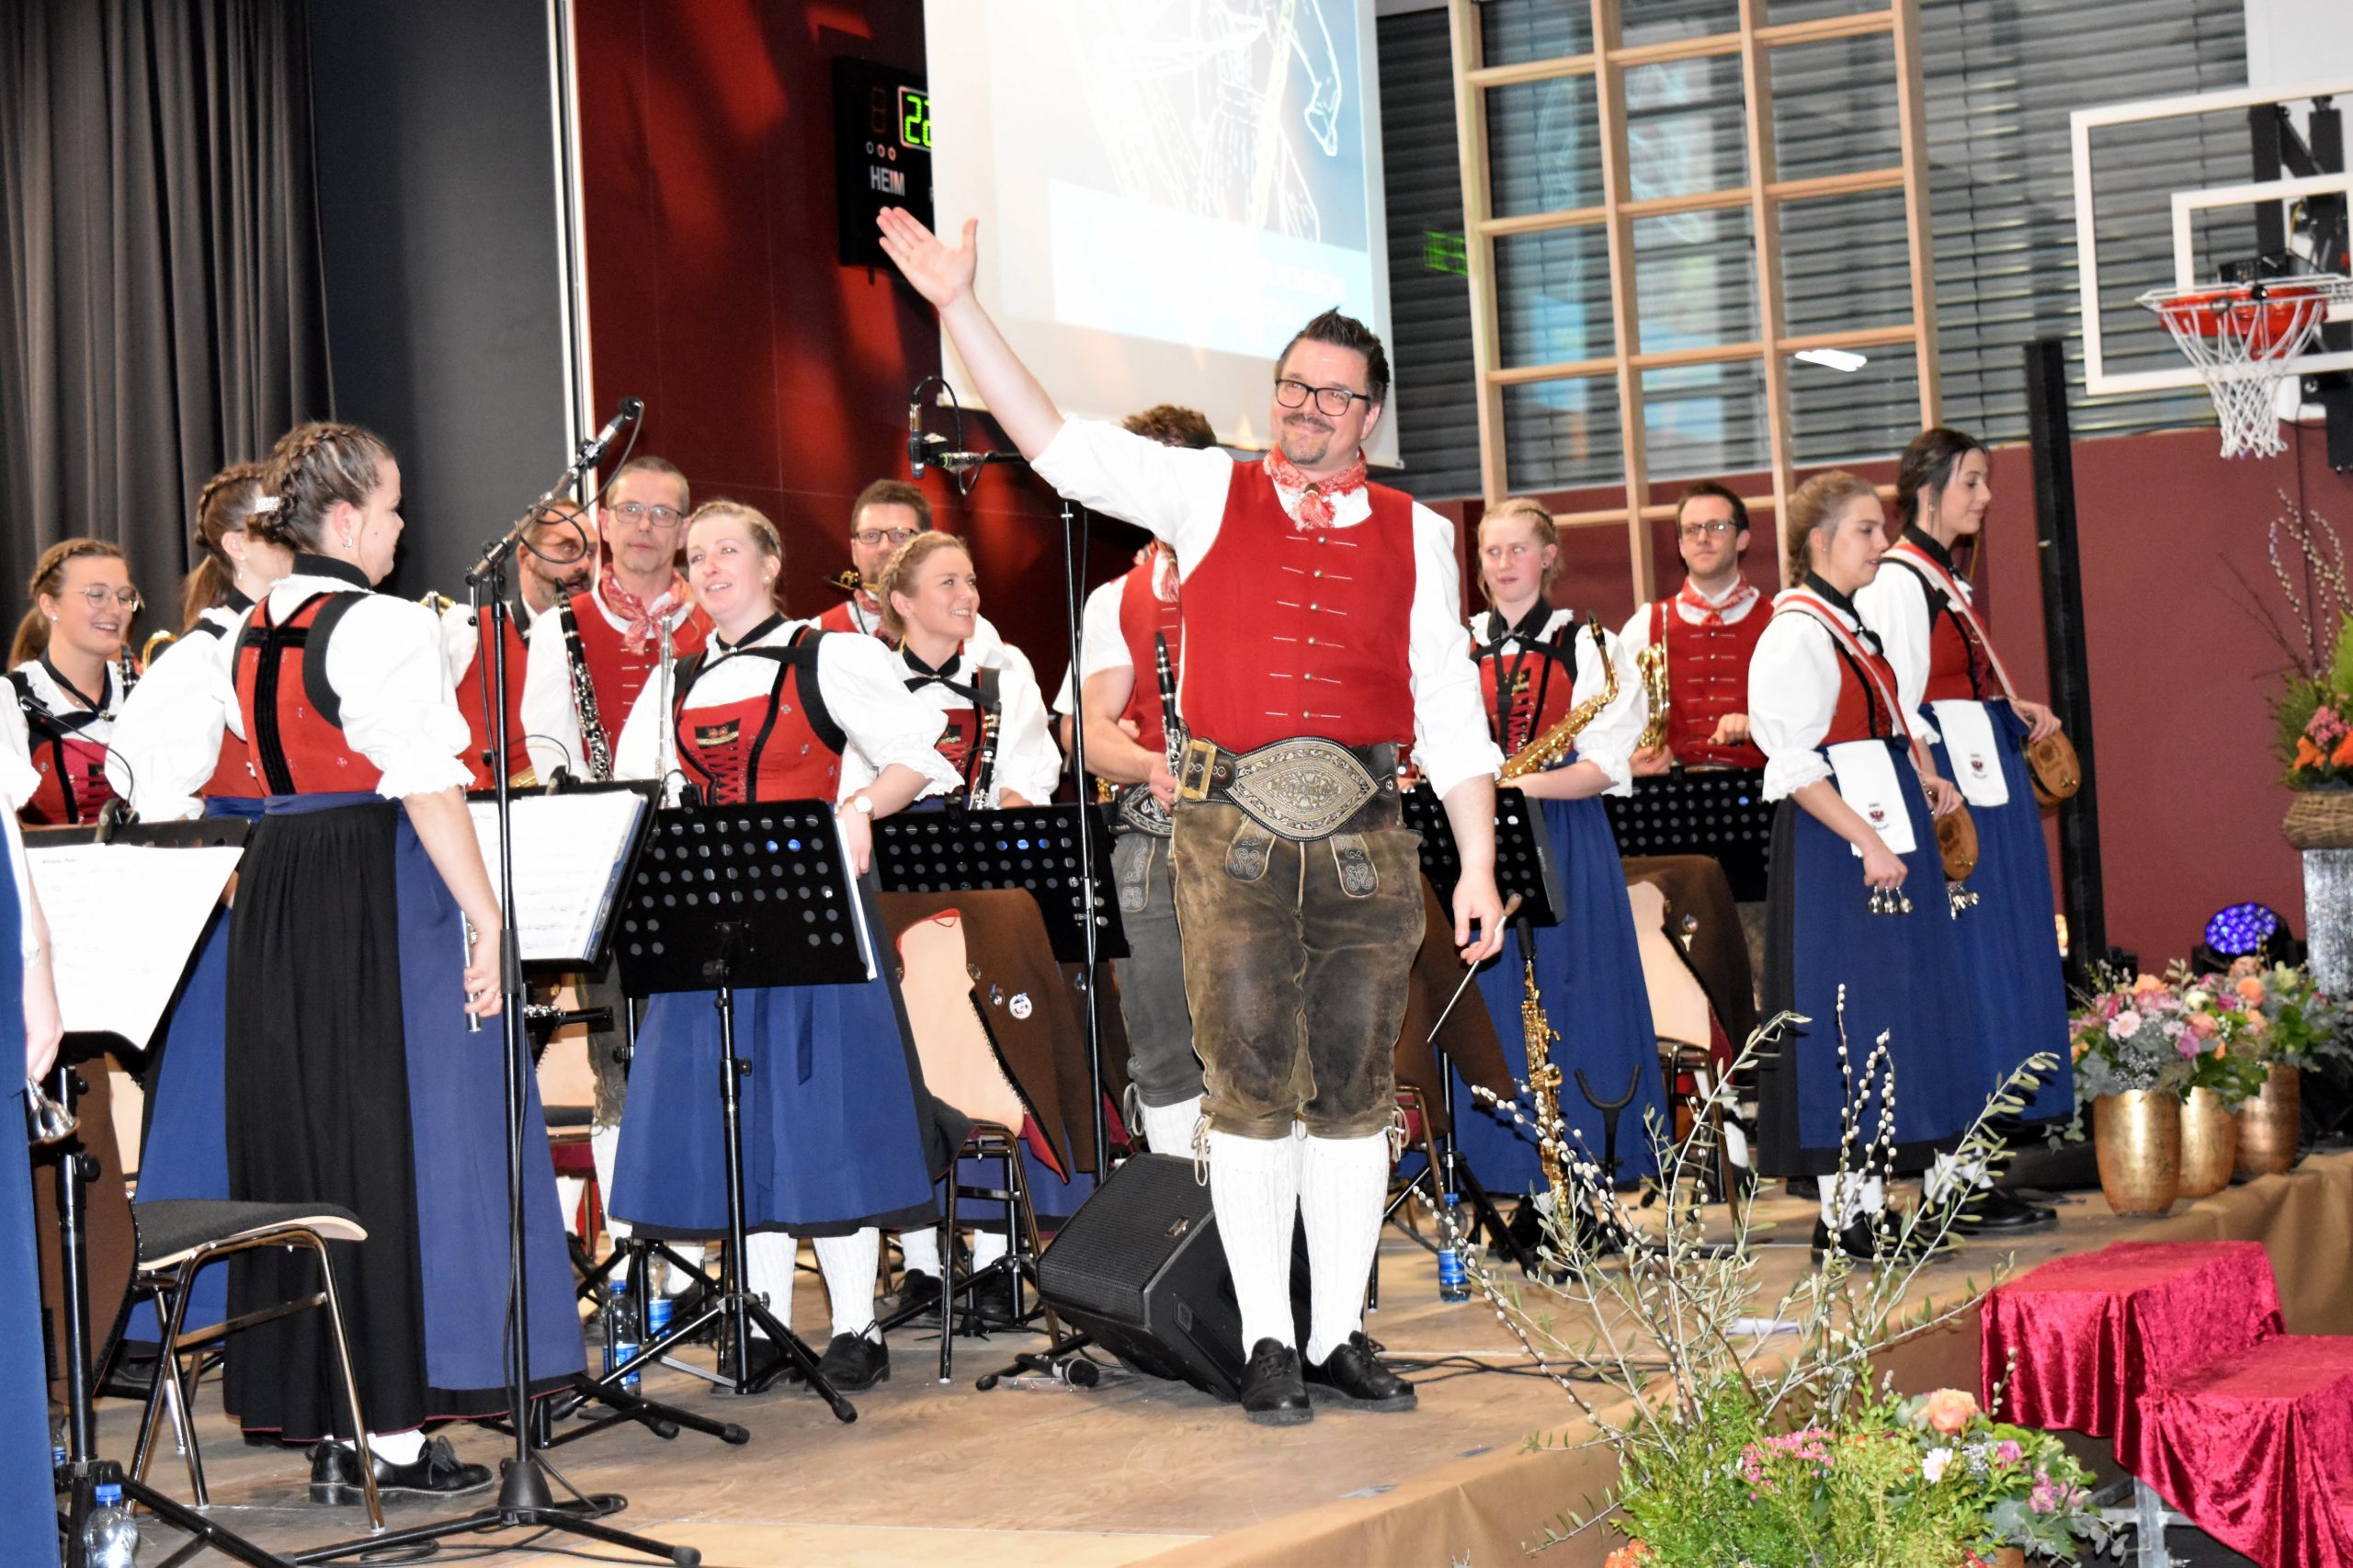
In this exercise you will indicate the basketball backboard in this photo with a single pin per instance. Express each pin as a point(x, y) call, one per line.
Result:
point(2129, 242)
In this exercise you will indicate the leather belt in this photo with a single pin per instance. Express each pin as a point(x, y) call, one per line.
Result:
point(1302, 789)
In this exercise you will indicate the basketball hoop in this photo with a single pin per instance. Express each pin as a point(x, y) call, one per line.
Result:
point(2239, 338)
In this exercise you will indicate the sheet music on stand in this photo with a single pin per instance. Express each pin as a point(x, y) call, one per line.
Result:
point(1721, 813)
point(571, 851)
point(124, 916)
point(1524, 862)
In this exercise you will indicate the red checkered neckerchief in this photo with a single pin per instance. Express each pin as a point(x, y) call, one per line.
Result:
point(1713, 614)
point(644, 620)
point(1315, 495)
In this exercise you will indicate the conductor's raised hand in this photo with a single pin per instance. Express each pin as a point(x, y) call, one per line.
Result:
point(941, 273)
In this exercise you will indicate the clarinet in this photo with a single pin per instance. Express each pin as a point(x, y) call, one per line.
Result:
point(984, 761)
point(597, 747)
point(1139, 807)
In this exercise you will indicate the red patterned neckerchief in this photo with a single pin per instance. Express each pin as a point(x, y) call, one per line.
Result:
point(1315, 495)
point(1713, 614)
point(644, 620)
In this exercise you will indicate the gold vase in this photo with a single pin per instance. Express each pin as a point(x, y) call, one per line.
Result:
point(2137, 1136)
point(2209, 1144)
point(2271, 1122)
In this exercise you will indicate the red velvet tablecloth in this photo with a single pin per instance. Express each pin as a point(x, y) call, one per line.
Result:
point(2258, 1449)
point(2093, 1335)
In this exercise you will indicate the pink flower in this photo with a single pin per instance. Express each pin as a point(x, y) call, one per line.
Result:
point(1950, 1410)
point(2203, 1025)
point(2187, 1046)
point(2006, 1451)
point(2125, 1025)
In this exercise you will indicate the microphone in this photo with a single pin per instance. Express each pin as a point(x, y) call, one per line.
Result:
point(593, 449)
point(964, 463)
point(914, 440)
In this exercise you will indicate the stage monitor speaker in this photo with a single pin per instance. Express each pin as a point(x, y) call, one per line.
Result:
point(1138, 1267)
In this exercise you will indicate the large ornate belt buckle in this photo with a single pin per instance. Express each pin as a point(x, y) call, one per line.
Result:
point(1141, 810)
point(1193, 770)
point(1302, 789)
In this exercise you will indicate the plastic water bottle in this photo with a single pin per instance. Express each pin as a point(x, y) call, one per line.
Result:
point(620, 1330)
point(110, 1538)
point(657, 1316)
point(1453, 1284)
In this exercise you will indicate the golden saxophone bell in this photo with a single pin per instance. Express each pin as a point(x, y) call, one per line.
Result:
point(438, 602)
point(156, 645)
point(1555, 743)
point(46, 1121)
point(846, 580)
point(1651, 665)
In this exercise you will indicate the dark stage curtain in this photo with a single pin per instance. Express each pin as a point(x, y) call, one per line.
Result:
point(160, 305)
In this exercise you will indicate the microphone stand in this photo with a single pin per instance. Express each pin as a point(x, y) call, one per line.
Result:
point(525, 1500)
point(1073, 594)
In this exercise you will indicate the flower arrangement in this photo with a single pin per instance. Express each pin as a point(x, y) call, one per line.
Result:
point(2290, 1019)
point(1735, 1448)
point(2141, 1033)
point(2028, 1489)
point(2313, 714)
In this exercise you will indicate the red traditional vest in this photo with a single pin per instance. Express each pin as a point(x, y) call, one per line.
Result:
point(1145, 615)
point(1541, 680)
point(1707, 678)
point(233, 770)
point(479, 730)
point(1300, 631)
point(781, 747)
point(618, 672)
point(841, 618)
point(1958, 667)
point(73, 769)
point(1865, 686)
point(293, 719)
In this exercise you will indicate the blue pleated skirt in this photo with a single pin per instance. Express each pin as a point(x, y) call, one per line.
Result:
point(832, 1135)
point(185, 1151)
point(25, 1493)
point(2009, 946)
point(1902, 976)
point(1589, 976)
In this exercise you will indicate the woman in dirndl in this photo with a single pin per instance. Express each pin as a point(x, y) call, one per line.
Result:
point(840, 1135)
point(1957, 694)
point(1537, 663)
point(1860, 939)
point(68, 678)
point(366, 945)
point(28, 1011)
point(173, 757)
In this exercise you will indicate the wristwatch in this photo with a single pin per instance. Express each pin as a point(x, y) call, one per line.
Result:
point(860, 804)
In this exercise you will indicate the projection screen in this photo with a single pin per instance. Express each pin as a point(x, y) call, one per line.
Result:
point(1167, 190)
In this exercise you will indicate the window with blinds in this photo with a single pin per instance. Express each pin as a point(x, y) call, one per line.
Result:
point(2002, 76)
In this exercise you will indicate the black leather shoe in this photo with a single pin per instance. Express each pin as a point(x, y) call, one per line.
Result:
point(1991, 1209)
point(919, 1288)
point(1272, 1392)
point(1355, 1372)
point(437, 1471)
point(853, 1362)
point(1871, 1239)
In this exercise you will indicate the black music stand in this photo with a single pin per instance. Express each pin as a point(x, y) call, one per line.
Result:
point(726, 896)
point(1525, 870)
point(1721, 813)
point(85, 1471)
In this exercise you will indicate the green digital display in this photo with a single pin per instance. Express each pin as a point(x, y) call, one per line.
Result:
point(915, 118)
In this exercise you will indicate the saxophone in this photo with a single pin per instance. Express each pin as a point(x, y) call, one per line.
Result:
point(1549, 748)
point(1650, 663)
point(1543, 1076)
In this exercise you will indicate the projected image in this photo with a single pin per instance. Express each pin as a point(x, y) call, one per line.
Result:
point(1192, 178)
point(1229, 166)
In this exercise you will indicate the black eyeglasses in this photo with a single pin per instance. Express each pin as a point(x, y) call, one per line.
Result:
point(1717, 525)
point(870, 538)
point(655, 517)
point(1330, 401)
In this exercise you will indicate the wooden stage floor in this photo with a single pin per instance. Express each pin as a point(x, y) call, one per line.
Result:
point(1136, 1470)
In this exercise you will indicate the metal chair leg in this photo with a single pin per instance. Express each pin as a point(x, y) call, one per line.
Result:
point(947, 1276)
point(182, 1395)
point(142, 1450)
point(350, 1384)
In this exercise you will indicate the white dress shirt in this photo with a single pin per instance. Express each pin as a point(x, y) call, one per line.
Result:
point(1179, 494)
point(167, 737)
point(1793, 682)
point(1609, 742)
point(49, 695)
point(1027, 761)
point(1895, 605)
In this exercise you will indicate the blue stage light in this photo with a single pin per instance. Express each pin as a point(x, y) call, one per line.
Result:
point(2241, 928)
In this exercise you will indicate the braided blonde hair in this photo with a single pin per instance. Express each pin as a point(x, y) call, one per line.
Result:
point(901, 572)
point(312, 469)
point(223, 507)
point(49, 577)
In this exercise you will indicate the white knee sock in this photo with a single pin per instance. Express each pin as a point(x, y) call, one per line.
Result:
point(767, 1270)
point(1845, 1198)
point(849, 1264)
point(920, 1252)
point(1254, 1187)
point(1168, 1129)
point(987, 1247)
point(605, 1148)
point(397, 1448)
point(1341, 1184)
point(1949, 1171)
point(567, 1196)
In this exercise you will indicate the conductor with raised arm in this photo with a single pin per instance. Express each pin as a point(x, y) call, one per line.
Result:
point(1321, 629)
